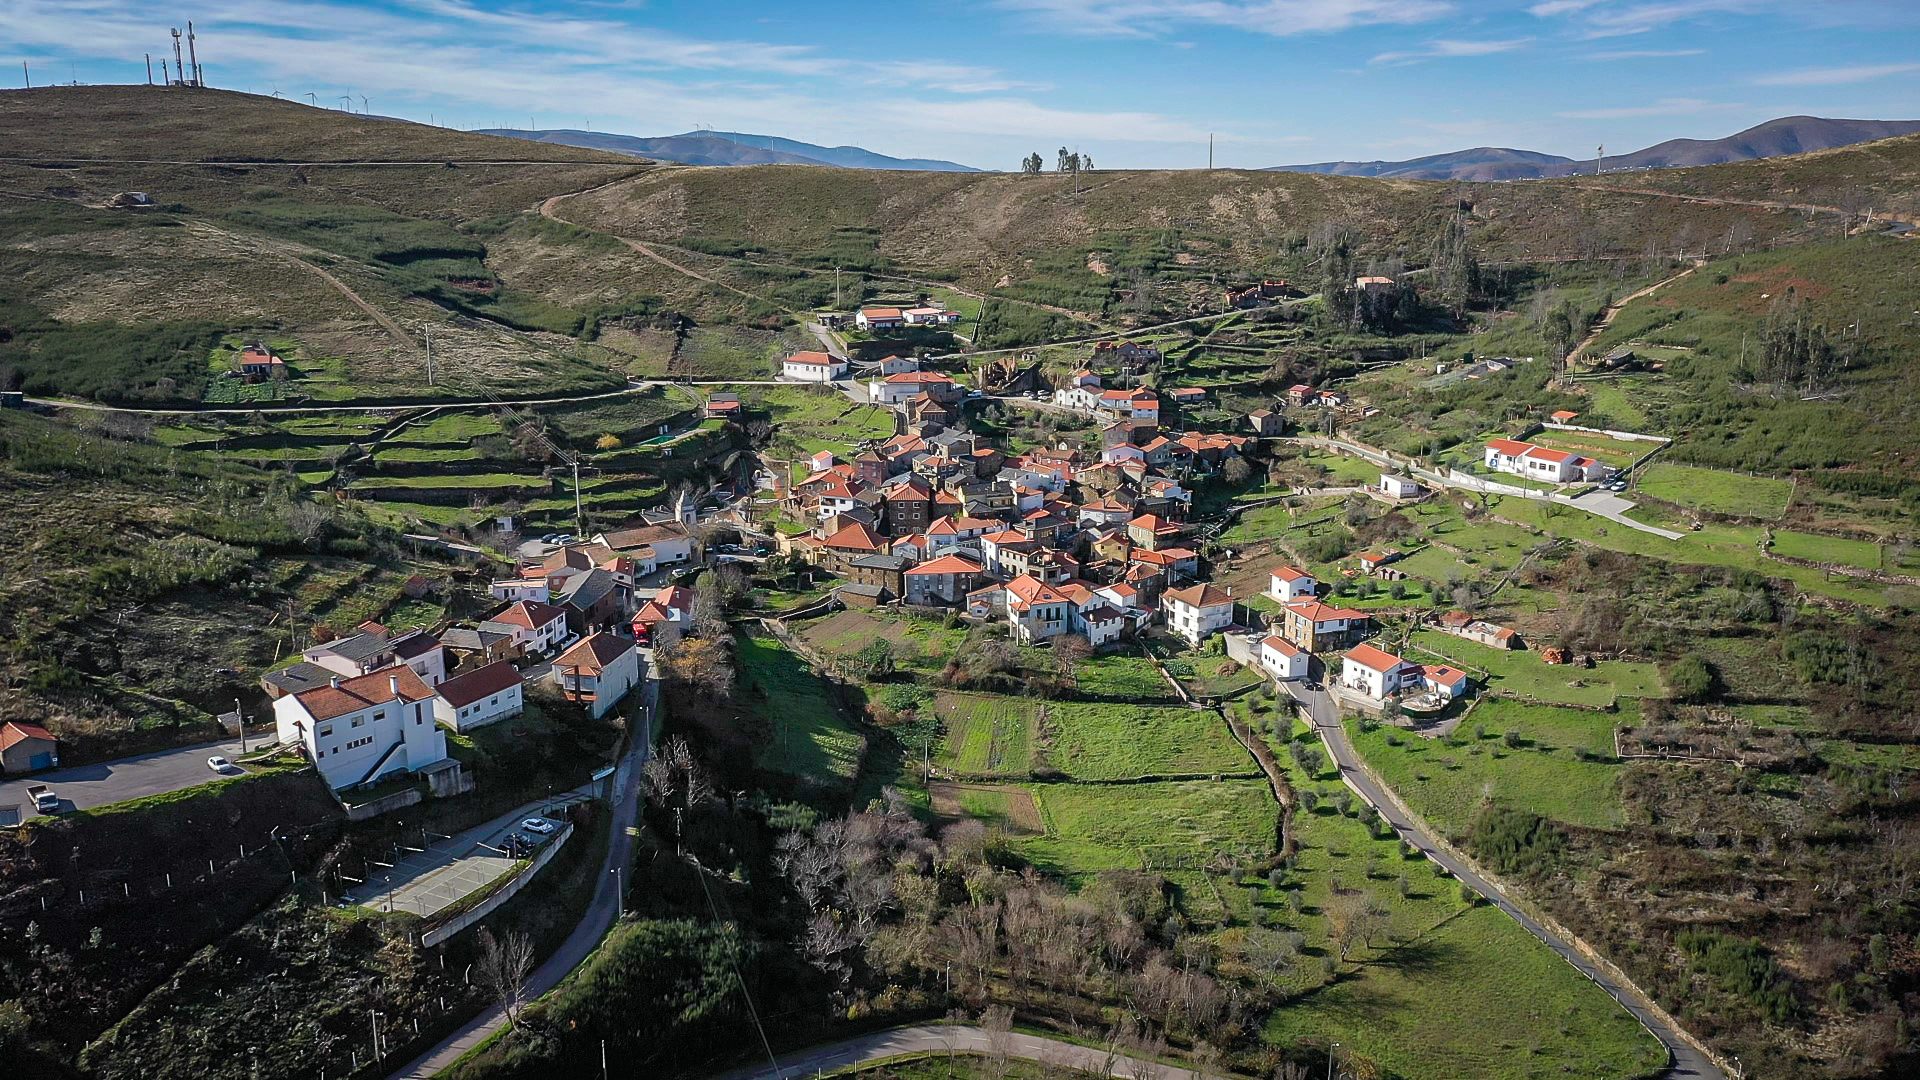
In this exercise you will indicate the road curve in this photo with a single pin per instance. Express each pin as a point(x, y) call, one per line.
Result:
point(601, 913)
point(957, 1039)
point(1685, 1059)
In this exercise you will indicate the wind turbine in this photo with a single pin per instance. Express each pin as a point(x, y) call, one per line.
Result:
point(312, 100)
point(346, 102)
point(363, 103)
point(276, 90)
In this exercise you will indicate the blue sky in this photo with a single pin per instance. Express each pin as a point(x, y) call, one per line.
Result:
point(1134, 83)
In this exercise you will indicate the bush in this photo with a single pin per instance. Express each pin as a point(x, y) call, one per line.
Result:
point(1689, 679)
point(1741, 967)
point(1516, 841)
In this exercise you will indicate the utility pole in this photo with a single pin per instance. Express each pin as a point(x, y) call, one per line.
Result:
point(240, 721)
point(179, 68)
point(149, 57)
point(579, 515)
point(1209, 151)
point(429, 356)
point(1598, 153)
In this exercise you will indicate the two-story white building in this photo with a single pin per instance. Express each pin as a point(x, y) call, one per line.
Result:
point(1036, 610)
point(1197, 611)
point(1282, 659)
point(896, 388)
point(1286, 583)
point(359, 729)
point(534, 627)
point(1376, 673)
point(479, 697)
point(598, 671)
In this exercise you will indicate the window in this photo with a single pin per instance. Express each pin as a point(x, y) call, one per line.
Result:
point(326, 732)
point(359, 720)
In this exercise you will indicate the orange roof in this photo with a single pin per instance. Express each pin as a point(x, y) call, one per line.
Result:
point(463, 690)
point(918, 377)
point(946, 564)
point(1369, 657)
point(1509, 447)
point(1203, 595)
point(1280, 645)
point(16, 731)
point(1547, 454)
point(1319, 612)
point(363, 691)
point(1443, 674)
point(1564, 415)
point(812, 358)
point(1290, 573)
point(857, 537)
point(592, 655)
point(1025, 591)
point(531, 614)
point(881, 312)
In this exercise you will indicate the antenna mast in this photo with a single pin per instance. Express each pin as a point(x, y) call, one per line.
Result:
point(193, 61)
point(179, 68)
point(1598, 153)
point(1209, 151)
point(149, 69)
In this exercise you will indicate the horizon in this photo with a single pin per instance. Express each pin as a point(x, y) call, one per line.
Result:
point(1273, 82)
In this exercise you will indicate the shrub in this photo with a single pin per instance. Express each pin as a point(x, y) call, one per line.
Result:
point(1689, 679)
point(1742, 967)
point(1515, 841)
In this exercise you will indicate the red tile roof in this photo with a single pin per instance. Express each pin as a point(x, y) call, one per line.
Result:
point(1319, 612)
point(531, 614)
point(812, 358)
point(857, 537)
point(592, 655)
point(14, 732)
point(1368, 656)
point(1290, 573)
point(1280, 645)
point(946, 564)
point(1203, 595)
point(1509, 447)
point(363, 691)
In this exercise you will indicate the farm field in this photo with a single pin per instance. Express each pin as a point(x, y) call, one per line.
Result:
point(1124, 742)
point(1426, 996)
point(987, 733)
point(1831, 549)
point(1092, 827)
point(1715, 490)
point(1530, 757)
point(1522, 672)
point(808, 738)
point(1125, 678)
point(920, 644)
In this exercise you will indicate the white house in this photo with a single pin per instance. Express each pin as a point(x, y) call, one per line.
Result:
point(812, 366)
point(894, 389)
point(1037, 611)
point(423, 653)
point(1449, 682)
point(479, 697)
point(1286, 583)
point(930, 316)
point(894, 365)
point(1197, 611)
point(1082, 392)
point(1542, 463)
point(1282, 659)
point(598, 671)
point(1120, 595)
point(1138, 404)
point(535, 627)
point(1377, 673)
point(880, 318)
point(1398, 487)
point(359, 729)
point(652, 546)
point(1102, 623)
point(534, 587)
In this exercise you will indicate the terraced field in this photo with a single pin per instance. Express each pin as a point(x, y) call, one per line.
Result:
point(1127, 742)
point(987, 734)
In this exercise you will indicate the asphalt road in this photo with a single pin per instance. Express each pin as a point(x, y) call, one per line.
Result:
point(600, 915)
point(1684, 1059)
point(959, 1039)
point(83, 787)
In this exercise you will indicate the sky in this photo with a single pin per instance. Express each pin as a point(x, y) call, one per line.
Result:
point(1131, 83)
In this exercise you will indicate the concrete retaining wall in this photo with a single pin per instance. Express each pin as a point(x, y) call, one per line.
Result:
point(1627, 436)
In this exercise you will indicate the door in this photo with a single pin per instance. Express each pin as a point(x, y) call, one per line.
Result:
point(40, 761)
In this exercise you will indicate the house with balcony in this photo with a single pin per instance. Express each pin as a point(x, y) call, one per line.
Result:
point(359, 729)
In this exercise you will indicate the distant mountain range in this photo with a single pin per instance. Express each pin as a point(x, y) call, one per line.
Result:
point(730, 148)
point(1787, 135)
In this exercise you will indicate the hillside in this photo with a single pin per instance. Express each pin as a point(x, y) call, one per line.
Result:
point(729, 148)
point(1775, 138)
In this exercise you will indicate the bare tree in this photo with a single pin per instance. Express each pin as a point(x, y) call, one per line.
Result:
point(505, 962)
point(997, 1021)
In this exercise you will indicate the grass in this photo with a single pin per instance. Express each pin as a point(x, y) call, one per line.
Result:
point(1830, 549)
point(987, 733)
point(809, 738)
point(1092, 827)
point(1447, 781)
point(1123, 678)
point(1618, 453)
point(1124, 742)
point(1522, 672)
point(1715, 490)
point(920, 644)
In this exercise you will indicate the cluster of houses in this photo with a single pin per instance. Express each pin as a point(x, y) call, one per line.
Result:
point(377, 703)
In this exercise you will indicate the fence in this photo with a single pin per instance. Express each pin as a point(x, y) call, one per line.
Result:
point(499, 896)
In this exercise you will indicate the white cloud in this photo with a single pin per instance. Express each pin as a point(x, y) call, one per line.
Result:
point(1446, 48)
point(1836, 76)
point(1641, 54)
point(1551, 8)
point(1279, 18)
point(1663, 107)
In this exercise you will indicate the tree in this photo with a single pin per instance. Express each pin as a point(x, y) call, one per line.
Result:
point(1689, 679)
point(1236, 470)
point(505, 962)
point(608, 441)
point(704, 663)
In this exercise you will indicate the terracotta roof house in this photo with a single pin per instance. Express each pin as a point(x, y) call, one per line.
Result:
point(26, 748)
point(598, 671)
point(357, 730)
point(479, 697)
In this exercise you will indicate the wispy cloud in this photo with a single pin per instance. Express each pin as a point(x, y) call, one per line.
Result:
point(1551, 8)
point(1446, 47)
point(1641, 54)
point(1599, 19)
point(1279, 18)
point(1663, 107)
point(1836, 76)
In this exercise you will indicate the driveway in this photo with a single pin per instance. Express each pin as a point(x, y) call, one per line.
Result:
point(425, 881)
point(1606, 504)
point(1684, 1059)
point(83, 787)
point(957, 1039)
point(604, 909)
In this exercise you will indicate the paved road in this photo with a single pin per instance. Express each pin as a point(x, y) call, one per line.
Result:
point(941, 1039)
point(83, 787)
point(1685, 1060)
point(1603, 503)
point(600, 915)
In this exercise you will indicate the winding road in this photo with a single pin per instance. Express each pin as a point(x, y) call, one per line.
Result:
point(1686, 1058)
point(924, 1039)
point(602, 912)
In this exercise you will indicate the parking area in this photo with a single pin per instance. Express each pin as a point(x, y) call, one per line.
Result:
point(425, 881)
point(84, 787)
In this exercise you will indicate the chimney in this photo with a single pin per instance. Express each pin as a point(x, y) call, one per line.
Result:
point(334, 682)
point(1229, 590)
point(393, 684)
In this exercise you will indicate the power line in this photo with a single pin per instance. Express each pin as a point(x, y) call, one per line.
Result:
point(701, 872)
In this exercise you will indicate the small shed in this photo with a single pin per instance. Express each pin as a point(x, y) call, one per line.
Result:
point(26, 748)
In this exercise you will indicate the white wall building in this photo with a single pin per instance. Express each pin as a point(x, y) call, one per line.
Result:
point(357, 730)
point(1286, 583)
point(480, 697)
point(1197, 611)
point(535, 627)
point(1377, 673)
point(812, 367)
point(1542, 463)
point(1282, 659)
point(598, 671)
point(1398, 487)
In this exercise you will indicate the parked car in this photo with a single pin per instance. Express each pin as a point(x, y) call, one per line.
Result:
point(221, 765)
point(44, 798)
point(537, 825)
